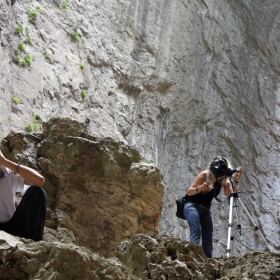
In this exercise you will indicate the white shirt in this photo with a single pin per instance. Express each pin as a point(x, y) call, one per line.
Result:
point(9, 186)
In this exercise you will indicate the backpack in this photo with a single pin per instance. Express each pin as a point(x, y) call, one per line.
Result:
point(180, 206)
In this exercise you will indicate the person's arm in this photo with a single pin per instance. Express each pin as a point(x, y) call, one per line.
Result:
point(227, 188)
point(30, 176)
point(237, 178)
point(227, 185)
point(199, 185)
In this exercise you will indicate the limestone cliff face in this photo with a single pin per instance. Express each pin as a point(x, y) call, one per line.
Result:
point(180, 81)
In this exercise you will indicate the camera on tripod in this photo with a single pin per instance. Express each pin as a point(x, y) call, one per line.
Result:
point(221, 169)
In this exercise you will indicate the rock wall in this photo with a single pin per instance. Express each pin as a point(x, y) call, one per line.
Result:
point(180, 81)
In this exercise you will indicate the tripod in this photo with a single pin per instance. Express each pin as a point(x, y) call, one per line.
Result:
point(233, 199)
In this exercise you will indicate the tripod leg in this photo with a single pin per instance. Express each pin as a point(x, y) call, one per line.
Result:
point(255, 225)
point(238, 225)
point(230, 225)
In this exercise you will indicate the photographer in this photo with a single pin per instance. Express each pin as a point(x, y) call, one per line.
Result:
point(205, 187)
point(28, 219)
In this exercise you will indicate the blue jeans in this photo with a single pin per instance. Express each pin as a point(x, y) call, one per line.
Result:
point(200, 222)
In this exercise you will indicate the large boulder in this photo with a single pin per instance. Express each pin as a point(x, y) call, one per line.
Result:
point(100, 192)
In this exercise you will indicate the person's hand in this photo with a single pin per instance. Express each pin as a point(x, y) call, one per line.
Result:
point(238, 174)
point(204, 187)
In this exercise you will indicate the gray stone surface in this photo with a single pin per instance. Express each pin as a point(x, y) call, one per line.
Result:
point(181, 81)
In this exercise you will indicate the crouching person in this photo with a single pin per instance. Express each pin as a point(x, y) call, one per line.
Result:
point(28, 219)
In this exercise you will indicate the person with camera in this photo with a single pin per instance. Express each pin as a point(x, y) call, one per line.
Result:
point(205, 187)
point(28, 219)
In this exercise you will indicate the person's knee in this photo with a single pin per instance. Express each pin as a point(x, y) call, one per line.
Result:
point(36, 191)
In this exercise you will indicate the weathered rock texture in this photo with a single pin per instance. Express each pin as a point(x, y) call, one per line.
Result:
point(143, 257)
point(99, 192)
point(23, 259)
point(164, 257)
point(181, 81)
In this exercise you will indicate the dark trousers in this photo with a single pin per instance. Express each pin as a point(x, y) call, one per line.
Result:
point(29, 219)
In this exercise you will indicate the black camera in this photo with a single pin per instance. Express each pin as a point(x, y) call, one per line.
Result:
point(221, 169)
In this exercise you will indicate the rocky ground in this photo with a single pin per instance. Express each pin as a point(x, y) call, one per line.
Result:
point(144, 256)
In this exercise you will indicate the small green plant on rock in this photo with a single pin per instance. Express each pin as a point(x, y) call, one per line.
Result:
point(64, 6)
point(83, 93)
point(46, 53)
point(19, 29)
point(39, 9)
point(59, 78)
point(32, 15)
point(21, 46)
point(82, 66)
point(35, 125)
point(26, 61)
point(75, 36)
point(37, 117)
point(30, 40)
point(15, 100)
point(18, 59)
point(29, 127)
